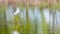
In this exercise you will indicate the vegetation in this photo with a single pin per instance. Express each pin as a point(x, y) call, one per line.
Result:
point(24, 25)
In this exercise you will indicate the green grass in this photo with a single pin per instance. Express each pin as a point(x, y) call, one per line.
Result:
point(27, 28)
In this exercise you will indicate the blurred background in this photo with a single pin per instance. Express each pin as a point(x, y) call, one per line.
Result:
point(29, 16)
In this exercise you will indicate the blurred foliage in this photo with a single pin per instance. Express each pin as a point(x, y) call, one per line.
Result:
point(19, 23)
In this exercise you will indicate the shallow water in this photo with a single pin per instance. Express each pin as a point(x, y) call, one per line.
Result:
point(35, 17)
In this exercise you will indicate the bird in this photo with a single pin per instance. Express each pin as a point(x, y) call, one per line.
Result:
point(16, 12)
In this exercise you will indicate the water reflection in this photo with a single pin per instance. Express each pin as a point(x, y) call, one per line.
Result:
point(15, 32)
point(33, 14)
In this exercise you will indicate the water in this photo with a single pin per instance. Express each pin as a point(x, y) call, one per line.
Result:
point(33, 15)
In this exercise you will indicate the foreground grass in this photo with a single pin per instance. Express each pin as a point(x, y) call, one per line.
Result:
point(26, 29)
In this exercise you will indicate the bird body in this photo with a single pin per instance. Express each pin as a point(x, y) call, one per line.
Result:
point(16, 12)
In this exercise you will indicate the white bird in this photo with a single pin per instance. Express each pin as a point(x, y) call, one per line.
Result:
point(17, 11)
